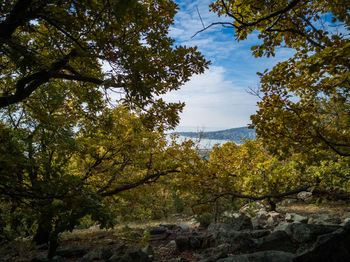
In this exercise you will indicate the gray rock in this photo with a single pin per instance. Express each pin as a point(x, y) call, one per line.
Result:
point(217, 226)
point(182, 243)
point(307, 232)
point(135, 255)
point(149, 251)
point(43, 258)
point(157, 230)
point(332, 247)
point(171, 244)
point(195, 242)
point(263, 256)
point(292, 217)
point(98, 254)
point(277, 240)
point(71, 251)
point(241, 223)
point(259, 233)
point(305, 196)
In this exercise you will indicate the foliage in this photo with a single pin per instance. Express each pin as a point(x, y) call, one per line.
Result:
point(240, 171)
point(305, 100)
point(67, 149)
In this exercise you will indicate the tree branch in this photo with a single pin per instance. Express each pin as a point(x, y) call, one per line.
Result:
point(146, 180)
point(255, 198)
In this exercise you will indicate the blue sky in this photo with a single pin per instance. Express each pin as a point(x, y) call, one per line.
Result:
point(217, 99)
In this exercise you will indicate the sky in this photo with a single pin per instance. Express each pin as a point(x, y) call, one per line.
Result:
point(219, 98)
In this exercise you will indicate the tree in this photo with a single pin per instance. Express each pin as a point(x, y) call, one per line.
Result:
point(66, 148)
point(245, 171)
point(305, 100)
point(43, 41)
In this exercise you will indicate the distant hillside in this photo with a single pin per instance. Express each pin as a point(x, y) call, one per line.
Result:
point(233, 134)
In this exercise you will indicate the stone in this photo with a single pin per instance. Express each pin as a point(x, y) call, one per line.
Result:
point(99, 254)
point(157, 230)
point(43, 258)
point(292, 217)
point(182, 243)
point(71, 251)
point(220, 227)
point(259, 233)
point(263, 256)
point(134, 255)
point(307, 232)
point(332, 247)
point(184, 226)
point(305, 196)
point(241, 223)
point(277, 240)
point(195, 242)
point(149, 251)
point(171, 244)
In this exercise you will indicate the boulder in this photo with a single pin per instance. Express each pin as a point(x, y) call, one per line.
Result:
point(332, 247)
point(71, 251)
point(43, 258)
point(171, 244)
point(302, 233)
point(219, 227)
point(157, 230)
point(182, 243)
point(134, 255)
point(99, 254)
point(305, 196)
point(263, 256)
point(292, 217)
point(277, 240)
point(241, 223)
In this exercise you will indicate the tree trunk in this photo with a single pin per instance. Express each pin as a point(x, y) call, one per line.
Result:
point(42, 234)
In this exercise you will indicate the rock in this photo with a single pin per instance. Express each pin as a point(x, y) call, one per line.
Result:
point(259, 233)
point(149, 251)
point(305, 196)
point(184, 227)
point(332, 247)
point(182, 243)
point(171, 244)
point(333, 221)
point(220, 227)
point(274, 218)
point(43, 258)
point(241, 223)
point(260, 221)
point(134, 255)
point(71, 251)
point(180, 259)
point(238, 239)
point(277, 240)
point(215, 257)
point(195, 242)
point(292, 217)
point(157, 230)
point(98, 254)
point(307, 232)
point(263, 256)
point(318, 219)
point(169, 226)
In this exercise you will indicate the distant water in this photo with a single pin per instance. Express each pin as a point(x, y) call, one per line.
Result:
point(204, 143)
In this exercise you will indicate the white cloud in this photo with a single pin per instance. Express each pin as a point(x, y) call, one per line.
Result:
point(213, 102)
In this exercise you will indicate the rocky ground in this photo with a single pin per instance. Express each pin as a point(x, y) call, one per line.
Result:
point(298, 232)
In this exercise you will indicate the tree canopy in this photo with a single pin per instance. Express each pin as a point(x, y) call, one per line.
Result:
point(305, 100)
point(81, 118)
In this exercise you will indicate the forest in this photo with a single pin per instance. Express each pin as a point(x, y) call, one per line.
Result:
point(71, 154)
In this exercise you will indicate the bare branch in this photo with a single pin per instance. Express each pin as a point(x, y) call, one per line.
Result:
point(255, 198)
